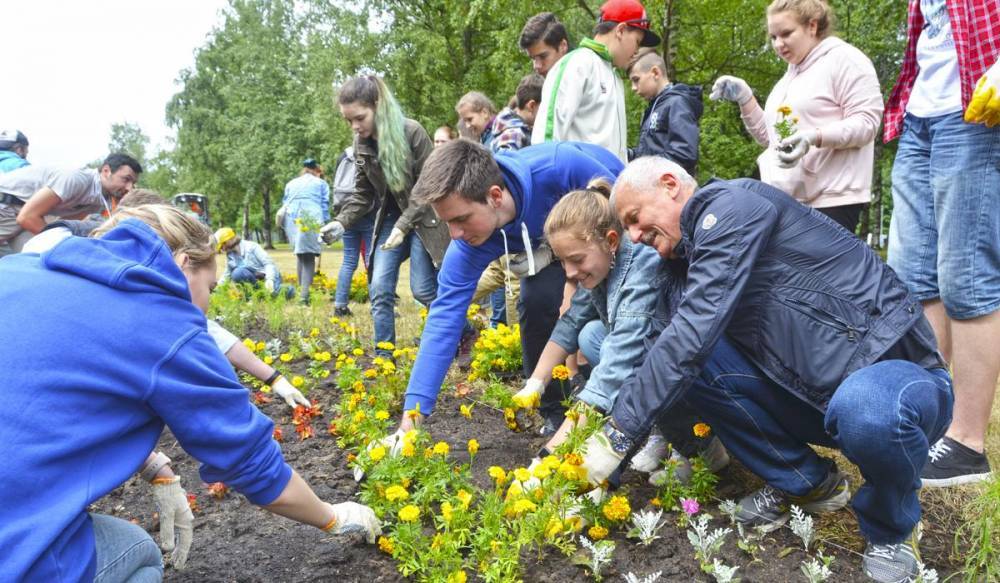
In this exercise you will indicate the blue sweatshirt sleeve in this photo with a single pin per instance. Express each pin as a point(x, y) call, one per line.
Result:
point(460, 271)
point(197, 395)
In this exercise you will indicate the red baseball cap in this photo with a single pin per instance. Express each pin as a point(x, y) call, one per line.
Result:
point(632, 13)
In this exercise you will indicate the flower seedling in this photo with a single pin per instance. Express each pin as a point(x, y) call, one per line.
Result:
point(802, 526)
point(651, 578)
point(645, 525)
point(600, 555)
point(786, 124)
point(724, 573)
point(815, 571)
point(706, 544)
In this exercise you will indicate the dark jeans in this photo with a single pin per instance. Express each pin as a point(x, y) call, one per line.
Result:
point(846, 216)
point(538, 308)
point(498, 303)
point(243, 274)
point(883, 418)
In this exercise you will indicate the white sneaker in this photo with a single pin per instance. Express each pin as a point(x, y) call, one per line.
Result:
point(715, 457)
point(651, 455)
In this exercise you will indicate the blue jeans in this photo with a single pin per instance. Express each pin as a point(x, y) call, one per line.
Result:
point(944, 239)
point(498, 303)
point(590, 340)
point(246, 275)
point(357, 240)
point(883, 418)
point(125, 552)
point(385, 276)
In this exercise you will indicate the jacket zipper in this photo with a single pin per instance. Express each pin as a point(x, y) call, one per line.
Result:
point(822, 317)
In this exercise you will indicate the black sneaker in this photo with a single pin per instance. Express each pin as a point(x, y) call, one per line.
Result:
point(893, 563)
point(342, 311)
point(766, 509)
point(949, 463)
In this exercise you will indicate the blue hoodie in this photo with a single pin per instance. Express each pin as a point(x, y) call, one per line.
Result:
point(537, 177)
point(11, 161)
point(102, 348)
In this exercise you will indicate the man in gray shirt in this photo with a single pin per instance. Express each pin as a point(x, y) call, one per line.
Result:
point(29, 194)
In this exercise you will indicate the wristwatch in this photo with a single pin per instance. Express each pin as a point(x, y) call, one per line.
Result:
point(620, 443)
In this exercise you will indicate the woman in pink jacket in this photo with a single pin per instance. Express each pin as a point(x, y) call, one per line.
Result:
point(834, 97)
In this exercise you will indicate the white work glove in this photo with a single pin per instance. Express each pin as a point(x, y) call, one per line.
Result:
point(600, 457)
point(351, 517)
point(393, 443)
point(175, 514)
point(290, 394)
point(531, 395)
point(731, 88)
point(984, 107)
point(395, 239)
point(269, 285)
point(794, 147)
point(521, 268)
point(331, 231)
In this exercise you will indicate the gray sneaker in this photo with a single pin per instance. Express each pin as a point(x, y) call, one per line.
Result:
point(893, 563)
point(831, 495)
point(766, 509)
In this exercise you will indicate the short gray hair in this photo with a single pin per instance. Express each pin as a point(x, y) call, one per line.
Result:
point(644, 174)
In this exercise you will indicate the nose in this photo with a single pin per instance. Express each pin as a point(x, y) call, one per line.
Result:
point(537, 66)
point(571, 271)
point(455, 232)
point(634, 233)
point(635, 87)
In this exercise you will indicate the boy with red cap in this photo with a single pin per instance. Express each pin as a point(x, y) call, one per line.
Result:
point(583, 98)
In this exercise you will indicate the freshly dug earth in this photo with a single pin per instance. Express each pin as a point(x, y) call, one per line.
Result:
point(235, 541)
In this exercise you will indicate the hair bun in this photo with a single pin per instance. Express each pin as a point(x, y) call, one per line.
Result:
point(601, 185)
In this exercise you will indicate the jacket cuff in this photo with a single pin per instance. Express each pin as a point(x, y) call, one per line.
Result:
point(411, 401)
point(594, 397)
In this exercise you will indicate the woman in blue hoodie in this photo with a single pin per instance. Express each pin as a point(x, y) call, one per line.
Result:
point(92, 401)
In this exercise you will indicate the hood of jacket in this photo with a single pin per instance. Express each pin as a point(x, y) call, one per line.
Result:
point(131, 257)
point(828, 44)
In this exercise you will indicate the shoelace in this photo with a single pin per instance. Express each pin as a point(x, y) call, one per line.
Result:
point(766, 498)
point(938, 450)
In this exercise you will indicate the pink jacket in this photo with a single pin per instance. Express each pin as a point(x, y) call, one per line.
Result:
point(835, 90)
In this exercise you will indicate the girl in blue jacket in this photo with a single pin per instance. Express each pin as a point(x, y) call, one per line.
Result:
point(93, 398)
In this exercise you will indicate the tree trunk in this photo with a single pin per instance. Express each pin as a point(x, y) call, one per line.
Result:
point(246, 217)
point(668, 46)
point(268, 244)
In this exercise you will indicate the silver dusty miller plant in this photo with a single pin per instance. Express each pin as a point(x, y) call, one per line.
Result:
point(724, 573)
point(730, 508)
point(600, 555)
point(815, 571)
point(633, 578)
point(645, 525)
point(802, 526)
point(706, 544)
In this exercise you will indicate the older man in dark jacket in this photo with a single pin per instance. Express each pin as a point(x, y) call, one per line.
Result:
point(791, 332)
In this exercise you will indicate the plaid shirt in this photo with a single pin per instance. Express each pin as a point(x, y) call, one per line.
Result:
point(975, 26)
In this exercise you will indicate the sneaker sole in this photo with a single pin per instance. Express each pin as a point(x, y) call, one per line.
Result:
point(769, 526)
point(830, 504)
point(954, 481)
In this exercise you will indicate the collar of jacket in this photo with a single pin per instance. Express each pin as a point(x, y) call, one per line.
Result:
point(365, 147)
point(819, 51)
point(601, 50)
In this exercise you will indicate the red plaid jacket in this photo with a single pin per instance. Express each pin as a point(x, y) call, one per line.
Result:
point(975, 26)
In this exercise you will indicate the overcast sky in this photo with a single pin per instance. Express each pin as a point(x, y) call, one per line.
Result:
point(71, 68)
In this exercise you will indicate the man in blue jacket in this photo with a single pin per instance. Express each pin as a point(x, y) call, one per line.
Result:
point(497, 206)
point(790, 332)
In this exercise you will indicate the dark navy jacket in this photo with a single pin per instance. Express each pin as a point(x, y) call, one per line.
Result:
point(670, 126)
point(798, 295)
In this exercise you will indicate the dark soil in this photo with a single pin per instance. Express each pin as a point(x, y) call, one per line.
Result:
point(236, 541)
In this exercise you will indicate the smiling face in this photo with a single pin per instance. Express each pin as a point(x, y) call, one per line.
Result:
point(360, 117)
point(472, 222)
point(118, 183)
point(652, 217)
point(585, 262)
point(792, 40)
point(475, 120)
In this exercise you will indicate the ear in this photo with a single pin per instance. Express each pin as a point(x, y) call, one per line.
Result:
point(494, 196)
point(670, 182)
point(613, 239)
point(182, 260)
point(813, 27)
point(563, 46)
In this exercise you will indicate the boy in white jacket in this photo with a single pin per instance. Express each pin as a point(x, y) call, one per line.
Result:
point(583, 98)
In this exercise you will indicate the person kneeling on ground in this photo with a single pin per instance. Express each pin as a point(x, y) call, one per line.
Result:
point(791, 332)
point(112, 390)
point(247, 262)
point(626, 296)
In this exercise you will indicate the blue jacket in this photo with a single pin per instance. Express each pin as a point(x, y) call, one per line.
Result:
point(105, 349)
point(11, 161)
point(802, 298)
point(536, 177)
point(634, 303)
point(671, 126)
point(307, 194)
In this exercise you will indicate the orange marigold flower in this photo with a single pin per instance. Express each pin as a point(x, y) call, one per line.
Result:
point(702, 429)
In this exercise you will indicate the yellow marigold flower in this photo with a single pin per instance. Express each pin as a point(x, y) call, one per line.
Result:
point(381, 415)
point(472, 311)
point(514, 491)
point(285, 357)
point(406, 482)
point(268, 360)
point(554, 527)
point(261, 346)
point(408, 450)
point(522, 506)
point(385, 545)
point(522, 474)
point(446, 511)
point(436, 541)
point(360, 416)
point(385, 346)
point(334, 320)
point(298, 381)
point(551, 462)
point(509, 415)
point(348, 361)
point(473, 446)
point(541, 471)
point(358, 386)
point(785, 110)
point(314, 332)
point(358, 352)
point(465, 498)
point(377, 453)
point(324, 374)
point(616, 509)
point(656, 502)
point(395, 493)
point(597, 532)
point(498, 474)
point(466, 411)
point(702, 429)
point(457, 577)
point(410, 436)
point(574, 523)
point(371, 373)
point(249, 343)
point(409, 513)
point(560, 373)
point(441, 448)
point(473, 376)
